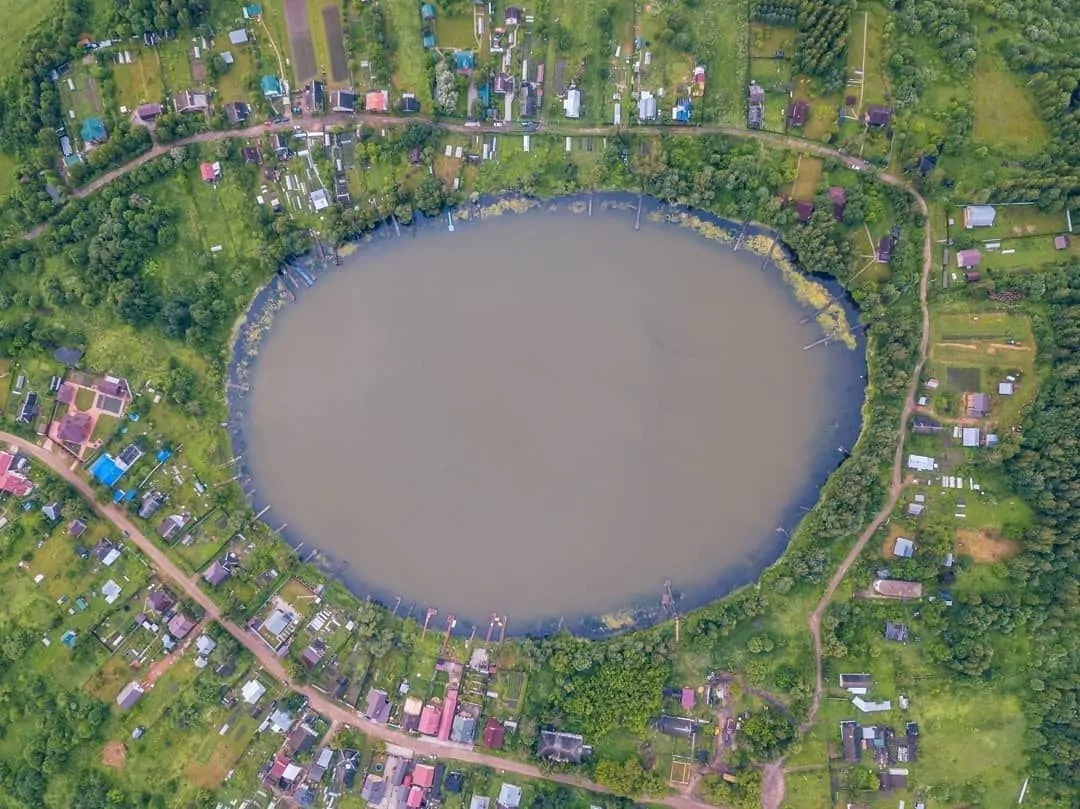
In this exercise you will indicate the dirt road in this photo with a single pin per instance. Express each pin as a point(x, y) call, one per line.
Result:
point(337, 713)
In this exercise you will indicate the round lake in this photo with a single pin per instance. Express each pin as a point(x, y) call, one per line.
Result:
point(547, 415)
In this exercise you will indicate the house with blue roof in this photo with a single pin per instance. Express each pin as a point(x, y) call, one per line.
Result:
point(271, 87)
point(681, 111)
point(252, 11)
point(464, 61)
point(427, 12)
point(107, 470)
point(93, 130)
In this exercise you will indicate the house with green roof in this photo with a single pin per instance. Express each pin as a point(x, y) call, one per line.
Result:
point(93, 130)
point(271, 87)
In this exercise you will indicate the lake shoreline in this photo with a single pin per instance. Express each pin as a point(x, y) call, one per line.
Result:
point(294, 278)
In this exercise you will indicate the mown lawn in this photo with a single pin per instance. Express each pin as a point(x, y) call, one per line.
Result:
point(409, 59)
point(1005, 115)
point(140, 82)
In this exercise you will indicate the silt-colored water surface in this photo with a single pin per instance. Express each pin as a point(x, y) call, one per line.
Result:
point(546, 415)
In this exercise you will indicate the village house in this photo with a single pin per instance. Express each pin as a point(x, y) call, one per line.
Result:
point(237, 112)
point(343, 101)
point(160, 600)
point(29, 411)
point(856, 683)
point(966, 259)
point(647, 110)
point(180, 626)
point(896, 632)
point(892, 588)
point(171, 525)
point(324, 757)
point(878, 116)
point(798, 111)
point(509, 796)
point(976, 405)
point(512, 15)
point(1061, 242)
point(851, 740)
point(51, 511)
point(883, 255)
point(804, 209)
point(979, 216)
point(129, 695)
point(210, 172)
point(11, 481)
point(755, 109)
point(252, 691)
point(151, 502)
point(76, 528)
point(378, 706)
point(903, 548)
point(838, 198)
point(271, 87)
point(313, 654)
point(410, 714)
point(502, 84)
point(527, 99)
point(148, 112)
point(679, 727)
point(682, 111)
point(377, 101)
point(188, 101)
point(238, 36)
point(572, 103)
point(74, 428)
point(409, 103)
point(563, 747)
point(494, 734)
point(699, 80)
point(216, 573)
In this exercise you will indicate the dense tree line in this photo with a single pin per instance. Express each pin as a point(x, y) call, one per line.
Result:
point(776, 13)
point(947, 23)
point(137, 17)
point(821, 43)
point(1046, 472)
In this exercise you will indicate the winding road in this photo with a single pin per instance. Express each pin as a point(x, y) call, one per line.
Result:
point(773, 786)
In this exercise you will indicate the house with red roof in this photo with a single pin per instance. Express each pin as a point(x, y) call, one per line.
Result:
point(804, 210)
point(377, 101)
point(446, 722)
point(423, 775)
point(13, 482)
point(430, 718)
point(210, 172)
point(416, 797)
point(688, 699)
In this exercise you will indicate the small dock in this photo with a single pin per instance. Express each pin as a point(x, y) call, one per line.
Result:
point(640, 205)
point(742, 235)
point(769, 255)
point(450, 221)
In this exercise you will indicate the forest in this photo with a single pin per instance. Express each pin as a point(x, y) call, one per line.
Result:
point(821, 44)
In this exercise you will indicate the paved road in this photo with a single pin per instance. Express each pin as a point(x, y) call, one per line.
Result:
point(337, 713)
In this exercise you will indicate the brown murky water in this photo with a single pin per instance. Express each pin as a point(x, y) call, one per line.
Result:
point(546, 415)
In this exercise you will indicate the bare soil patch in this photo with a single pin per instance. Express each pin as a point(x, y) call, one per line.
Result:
point(114, 755)
point(335, 40)
point(984, 547)
point(303, 49)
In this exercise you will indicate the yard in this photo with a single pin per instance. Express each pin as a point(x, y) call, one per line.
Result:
point(806, 181)
point(767, 41)
point(823, 110)
point(139, 82)
point(1005, 115)
point(409, 58)
point(866, 66)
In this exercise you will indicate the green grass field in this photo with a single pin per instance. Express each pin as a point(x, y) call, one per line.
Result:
point(318, 35)
point(456, 31)
point(806, 182)
point(1005, 115)
point(866, 54)
point(175, 65)
point(140, 82)
point(766, 40)
point(20, 17)
point(409, 59)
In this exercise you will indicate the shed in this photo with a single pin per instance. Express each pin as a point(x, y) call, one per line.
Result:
point(1005, 388)
point(867, 706)
point(148, 112)
point(464, 61)
point(647, 106)
point(512, 15)
point(76, 528)
point(921, 463)
point(238, 36)
point(1061, 242)
point(688, 699)
point(850, 738)
point(409, 103)
point(971, 437)
point(903, 548)
point(979, 216)
point(210, 172)
point(377, 101)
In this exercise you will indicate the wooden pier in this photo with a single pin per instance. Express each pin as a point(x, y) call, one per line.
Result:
point(769, 255)
point(640, 204)
point(742, 235)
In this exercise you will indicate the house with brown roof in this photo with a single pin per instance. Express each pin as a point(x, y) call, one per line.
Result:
point(159, 600)
point(883, 255)
point(129, 695)
point(180, 626)
point(804, 210)
point(75, 428)
point(798, 111)
point(378, 706)
point(558, 746)
point(967, 259)
point(148, 112)
point(494, 734)
point(838, 198)
point(879, 116)
point(216, 573)
point(188, 101)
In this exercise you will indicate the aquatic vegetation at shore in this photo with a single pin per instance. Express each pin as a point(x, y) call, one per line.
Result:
point(830, 314)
